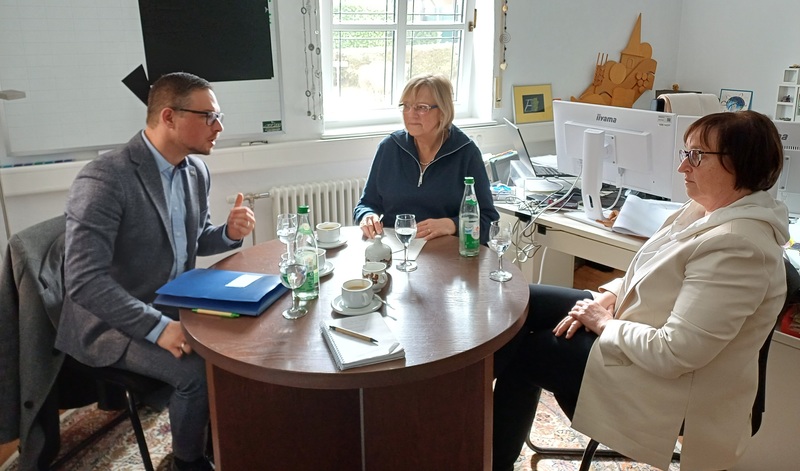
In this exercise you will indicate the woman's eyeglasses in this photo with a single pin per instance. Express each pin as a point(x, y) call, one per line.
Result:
point(695, 156)
point(211, 116)
point(420, 109)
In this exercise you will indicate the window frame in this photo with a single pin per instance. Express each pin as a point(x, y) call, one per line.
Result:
point(337, 120)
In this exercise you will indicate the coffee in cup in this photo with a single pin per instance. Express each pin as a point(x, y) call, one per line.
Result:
point(328, 232)
point(376, 273)
point(356, 293)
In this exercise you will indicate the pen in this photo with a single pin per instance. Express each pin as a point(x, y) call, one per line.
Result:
point(215, 313)
point(353, 334)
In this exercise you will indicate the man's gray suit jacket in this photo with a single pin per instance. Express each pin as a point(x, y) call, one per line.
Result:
point(119, 249)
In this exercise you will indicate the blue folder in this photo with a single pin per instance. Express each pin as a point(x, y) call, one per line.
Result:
point(206, 288)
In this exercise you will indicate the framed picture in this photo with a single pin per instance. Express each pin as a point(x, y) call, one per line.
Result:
point(533, 103)
point(735, 100)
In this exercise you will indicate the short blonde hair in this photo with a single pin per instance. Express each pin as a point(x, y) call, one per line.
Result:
point(442, 91)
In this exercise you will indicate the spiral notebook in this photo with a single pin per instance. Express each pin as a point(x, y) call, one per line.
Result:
point(351, 352)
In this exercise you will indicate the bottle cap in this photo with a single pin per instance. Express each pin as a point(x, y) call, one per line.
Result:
point(302, 209)
point(469, 180)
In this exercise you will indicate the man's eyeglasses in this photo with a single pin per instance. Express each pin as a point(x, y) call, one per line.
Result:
point(695, 156)
point(211, 116)
point(420, 109)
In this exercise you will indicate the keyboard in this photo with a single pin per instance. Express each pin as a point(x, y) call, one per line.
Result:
point(542, 171)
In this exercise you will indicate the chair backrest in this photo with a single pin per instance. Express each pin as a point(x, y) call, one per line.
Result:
point(792, 297)
point(40, 249)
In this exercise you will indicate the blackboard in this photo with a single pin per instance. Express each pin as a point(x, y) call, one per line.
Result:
point(71, 58)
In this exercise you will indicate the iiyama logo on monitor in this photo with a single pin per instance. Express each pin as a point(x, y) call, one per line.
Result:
point(784, 137)
point(605, 119)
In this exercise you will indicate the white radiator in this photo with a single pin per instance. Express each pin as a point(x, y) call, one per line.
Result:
point(331, 200)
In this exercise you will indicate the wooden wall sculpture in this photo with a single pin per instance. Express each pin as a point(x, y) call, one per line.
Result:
point(622, 83)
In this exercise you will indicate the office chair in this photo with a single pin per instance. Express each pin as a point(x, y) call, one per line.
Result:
point(34, 260)
point(759, 405)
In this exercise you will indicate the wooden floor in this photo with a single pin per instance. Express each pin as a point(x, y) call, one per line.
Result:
point(590, 276)
point(6, 450)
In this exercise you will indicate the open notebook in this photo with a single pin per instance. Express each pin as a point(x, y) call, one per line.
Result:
point(350, 352)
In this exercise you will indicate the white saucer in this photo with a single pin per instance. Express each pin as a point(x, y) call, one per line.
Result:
point(337, 306)
point(326, 269)
point(331, 245)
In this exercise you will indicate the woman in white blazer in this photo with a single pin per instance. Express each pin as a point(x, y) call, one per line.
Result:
point(675, 341)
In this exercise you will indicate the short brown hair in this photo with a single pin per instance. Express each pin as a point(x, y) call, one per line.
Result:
point(172, 91)
point(750, 143)
point(442, 91)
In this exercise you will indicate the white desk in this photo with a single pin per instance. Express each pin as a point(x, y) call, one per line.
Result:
point(563, 239)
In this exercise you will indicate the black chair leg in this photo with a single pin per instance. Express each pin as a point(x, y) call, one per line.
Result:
point(573, 452)
point(137, 430)
point(588, 454)
point(88, 441)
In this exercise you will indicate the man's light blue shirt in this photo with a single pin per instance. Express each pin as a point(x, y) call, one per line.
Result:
point(172, 179)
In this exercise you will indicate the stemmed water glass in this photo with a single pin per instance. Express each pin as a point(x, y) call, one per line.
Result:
point(499, 241)
point(405, 228)
point(286, 230)
point(293, 275)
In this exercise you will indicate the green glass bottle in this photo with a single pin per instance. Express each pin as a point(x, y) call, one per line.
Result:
point(469, 221)
point(306, 250)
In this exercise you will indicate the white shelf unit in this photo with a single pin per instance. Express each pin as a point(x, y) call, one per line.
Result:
point(786, 107)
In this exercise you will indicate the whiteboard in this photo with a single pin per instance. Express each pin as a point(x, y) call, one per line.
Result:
point(70, 57)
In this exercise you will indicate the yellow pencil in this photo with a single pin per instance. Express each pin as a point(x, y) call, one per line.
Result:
point(353, 334)
point(215, 313)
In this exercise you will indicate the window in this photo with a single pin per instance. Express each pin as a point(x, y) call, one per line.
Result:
point(372, 47)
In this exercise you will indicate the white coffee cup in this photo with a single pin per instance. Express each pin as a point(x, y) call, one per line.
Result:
point(376, 273)
point(321, 258)
point(356, 293)
point(328, 232)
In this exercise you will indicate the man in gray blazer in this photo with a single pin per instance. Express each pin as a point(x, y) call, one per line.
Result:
point(138, 217)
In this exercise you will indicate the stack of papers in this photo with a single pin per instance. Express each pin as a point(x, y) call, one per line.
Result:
point(222, 290)
point(641, 217)
point(350, 351)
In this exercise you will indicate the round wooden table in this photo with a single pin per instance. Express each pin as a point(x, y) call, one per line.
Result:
point(278, 400)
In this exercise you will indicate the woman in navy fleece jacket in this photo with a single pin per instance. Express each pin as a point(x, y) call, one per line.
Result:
point(421, 169)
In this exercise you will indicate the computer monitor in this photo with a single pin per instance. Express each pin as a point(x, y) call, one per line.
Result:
point(629, 148)
point(788, 187)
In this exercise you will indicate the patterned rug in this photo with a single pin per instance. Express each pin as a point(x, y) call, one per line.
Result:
point(551, 429)
point(117, 450)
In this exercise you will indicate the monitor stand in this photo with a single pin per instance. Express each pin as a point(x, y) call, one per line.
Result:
point(592, 180)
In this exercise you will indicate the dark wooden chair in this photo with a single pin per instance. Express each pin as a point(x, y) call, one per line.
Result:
point(590, 452)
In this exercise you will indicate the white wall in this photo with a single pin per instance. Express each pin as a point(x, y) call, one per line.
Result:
point(701, 44)
point(740, 45)
point(558, 42)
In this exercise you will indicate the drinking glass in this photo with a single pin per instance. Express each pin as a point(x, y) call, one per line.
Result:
point(499, 241)
point(293, 275)
point(286, 230)
point(405, 228)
